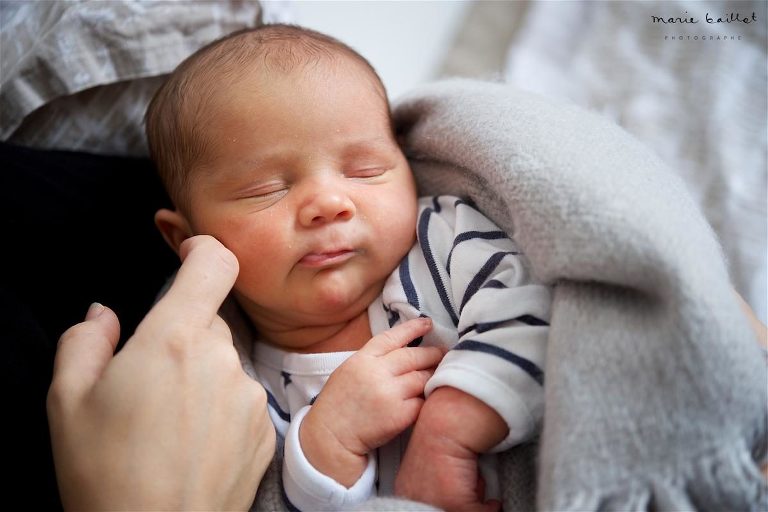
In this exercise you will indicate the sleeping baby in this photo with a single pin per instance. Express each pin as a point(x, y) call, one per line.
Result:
point(278, 141)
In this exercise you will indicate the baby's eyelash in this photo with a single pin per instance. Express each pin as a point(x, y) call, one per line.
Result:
point(371, 172)
point(269, 194)
point(263, 193)
point(269, 198)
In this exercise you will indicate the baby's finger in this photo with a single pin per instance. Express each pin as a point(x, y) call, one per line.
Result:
point(411, 408)
point(398, 336)
point(413, 382)
point(408, 359)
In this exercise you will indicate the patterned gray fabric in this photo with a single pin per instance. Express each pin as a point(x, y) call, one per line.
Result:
point(56, 54)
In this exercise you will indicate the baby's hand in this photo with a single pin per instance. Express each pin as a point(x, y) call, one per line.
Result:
point(373, 396)
point(440, 464)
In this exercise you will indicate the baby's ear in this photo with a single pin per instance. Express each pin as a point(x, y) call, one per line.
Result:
point(173, 226)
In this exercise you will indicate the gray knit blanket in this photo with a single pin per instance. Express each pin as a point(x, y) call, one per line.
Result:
point(655, 385)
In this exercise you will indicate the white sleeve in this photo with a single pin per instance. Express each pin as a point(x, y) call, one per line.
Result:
point(307, 489)
point(501, 315)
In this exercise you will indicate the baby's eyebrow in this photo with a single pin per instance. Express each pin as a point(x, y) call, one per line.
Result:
point(258, 162)
point(379, 144)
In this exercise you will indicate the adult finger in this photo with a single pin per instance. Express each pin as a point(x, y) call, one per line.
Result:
point(220, 327)
point(398, 336)
point(206, 276)
point(408, 359)
point(84, 350)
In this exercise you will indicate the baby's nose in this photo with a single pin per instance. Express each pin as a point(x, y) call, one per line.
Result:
point(325, 207)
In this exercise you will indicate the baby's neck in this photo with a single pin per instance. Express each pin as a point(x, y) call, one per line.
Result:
point(345, 336)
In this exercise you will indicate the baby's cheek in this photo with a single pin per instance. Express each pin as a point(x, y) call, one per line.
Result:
point(255, 275)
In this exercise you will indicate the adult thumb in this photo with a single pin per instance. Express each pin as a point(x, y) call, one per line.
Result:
point(84, 351)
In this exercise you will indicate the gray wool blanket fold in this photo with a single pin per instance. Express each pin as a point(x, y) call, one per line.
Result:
point(655, 386)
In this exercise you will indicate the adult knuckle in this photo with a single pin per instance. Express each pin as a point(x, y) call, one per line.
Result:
point(184, 344)
point(177, 341)
point(223, 356)
point(256, 393)
point(80, 330)
point(67, 335)
point(56, 397)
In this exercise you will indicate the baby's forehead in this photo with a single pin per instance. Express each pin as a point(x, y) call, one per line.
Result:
point(258, 81)
point(338, 65)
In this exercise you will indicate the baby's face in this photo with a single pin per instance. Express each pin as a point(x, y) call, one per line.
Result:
point(305, 183)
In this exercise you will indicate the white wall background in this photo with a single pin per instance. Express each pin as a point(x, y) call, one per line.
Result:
point(405, 41)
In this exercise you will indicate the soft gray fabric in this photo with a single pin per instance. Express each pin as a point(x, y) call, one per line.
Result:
point(655, 387)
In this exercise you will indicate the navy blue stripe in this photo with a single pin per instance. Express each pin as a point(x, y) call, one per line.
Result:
point(482, 275)
point(486, 235)
point(312, 400)
point(466, 202)
point(436, 203)
point(408, 288)
point(471, 235)
point(416, 342)
point(273, 403)
point(290, 506)
point(531, 320)
point(524, 364)
point(430, 259)
point(494, 283)
point(487, 326)
point(482, 327)
point(392, 316)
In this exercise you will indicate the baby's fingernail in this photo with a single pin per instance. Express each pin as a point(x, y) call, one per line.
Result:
point(426, 321)
point(94, 311)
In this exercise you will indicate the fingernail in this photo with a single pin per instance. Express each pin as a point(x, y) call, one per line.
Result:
point(94, 310)
point(427, 321)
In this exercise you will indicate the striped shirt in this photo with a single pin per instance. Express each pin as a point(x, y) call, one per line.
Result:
point(470, 278)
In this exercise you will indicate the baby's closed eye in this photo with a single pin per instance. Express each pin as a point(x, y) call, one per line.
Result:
point(366, 172)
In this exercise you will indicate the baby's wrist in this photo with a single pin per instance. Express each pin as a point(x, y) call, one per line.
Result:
point(459, 416)
point(327, 453)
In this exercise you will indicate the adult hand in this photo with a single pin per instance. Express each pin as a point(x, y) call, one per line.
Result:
point(171, 422)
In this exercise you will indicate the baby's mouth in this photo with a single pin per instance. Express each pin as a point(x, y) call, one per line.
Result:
point(326, 259)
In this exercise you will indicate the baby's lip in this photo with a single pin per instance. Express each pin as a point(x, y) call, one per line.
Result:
point(327, 257)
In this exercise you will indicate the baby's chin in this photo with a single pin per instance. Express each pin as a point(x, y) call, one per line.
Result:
point(338, 303)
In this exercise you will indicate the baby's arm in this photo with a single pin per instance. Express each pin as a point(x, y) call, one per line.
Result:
point(479, 400)
point(373, 396)
point(440, 466)
point(491, 382)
